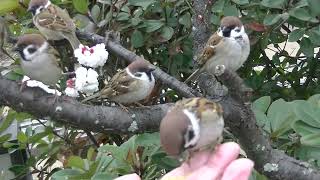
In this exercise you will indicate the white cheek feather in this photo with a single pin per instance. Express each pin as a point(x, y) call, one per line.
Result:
point(45, 6)
point(220, 33)
point(144, 76)
point(195, 126)
point(235, 34)
point(29, 56)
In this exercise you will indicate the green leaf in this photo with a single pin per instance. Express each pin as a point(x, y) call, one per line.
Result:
point(147, 139)
point(166, 33)
point(262, 103)
point(137, 39)
point(185, 20)
point(277, 4)
point(64, 174)
point(303, 128)
point(281, 116)
point(306, 112)
point(307, 47)
point(5, 138)
point(302, 14)
point(123, 16)
point(314, 36)
point(76, 162)
point(95, 12)
point(18, 169)
point(271, 19)
point(152, 25)
point(312, 140)
point(230, 10)
point(90, 154)
point(262, 120)
point(218, 6)
point(8, 121)
point(13, 76)
point(81, 6)
point(241, 2)
point(296, 34)
point(7, 6)
point(315, 100)
point(22, 138)
point(142, 3)
point(35, 138)
point(135, 21)
point(103, 176)
point(314, 6)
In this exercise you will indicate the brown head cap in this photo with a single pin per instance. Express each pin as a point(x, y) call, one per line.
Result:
point(231, 21)
point(172, 130)
point(34, 5)
point(140, 65)
point(27, 39)
point(37, 3)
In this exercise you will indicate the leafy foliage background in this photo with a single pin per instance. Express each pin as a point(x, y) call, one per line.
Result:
point(285, 83)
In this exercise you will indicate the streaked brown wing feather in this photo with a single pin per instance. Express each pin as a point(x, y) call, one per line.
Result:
point(199, 105)
point(209, 49)
point(49, 18)
point(119, 84)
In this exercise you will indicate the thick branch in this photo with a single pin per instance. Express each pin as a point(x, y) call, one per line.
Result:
point(93, 118)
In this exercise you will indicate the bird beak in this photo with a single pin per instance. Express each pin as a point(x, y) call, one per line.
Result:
point(152, 69)
point(32, 10)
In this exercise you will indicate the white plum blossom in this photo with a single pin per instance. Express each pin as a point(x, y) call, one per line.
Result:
point(86, 80)
point(94, 56)
point(71, 90)
point(34, 83)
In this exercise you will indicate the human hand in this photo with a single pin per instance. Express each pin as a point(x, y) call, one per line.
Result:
point(222, 165)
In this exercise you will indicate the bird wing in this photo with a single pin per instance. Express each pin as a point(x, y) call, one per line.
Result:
point(200, 106)
point(210, 49)
point(118, 85)
point(56, 19)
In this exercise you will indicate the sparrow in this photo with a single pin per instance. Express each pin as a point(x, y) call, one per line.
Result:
point(193, 124)
point(3, 36)
point(228, 47)
point(53, 22)
point(39, 60)
point(130, 85)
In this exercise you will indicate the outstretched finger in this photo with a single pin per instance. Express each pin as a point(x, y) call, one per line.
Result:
point(239, 169)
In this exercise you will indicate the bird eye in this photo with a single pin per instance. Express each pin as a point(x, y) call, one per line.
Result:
point(138, 74)
point(237, 30)
point(32, 50)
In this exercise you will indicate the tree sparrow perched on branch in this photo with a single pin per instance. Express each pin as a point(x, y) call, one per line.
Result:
point(192, 124)
point(229, 46)
point(130, 85)
point(53, 22)
point(39, 59)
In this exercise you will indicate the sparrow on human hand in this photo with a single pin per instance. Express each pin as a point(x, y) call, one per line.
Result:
point(193, 124)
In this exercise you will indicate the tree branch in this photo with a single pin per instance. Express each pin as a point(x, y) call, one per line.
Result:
point(94, 118)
